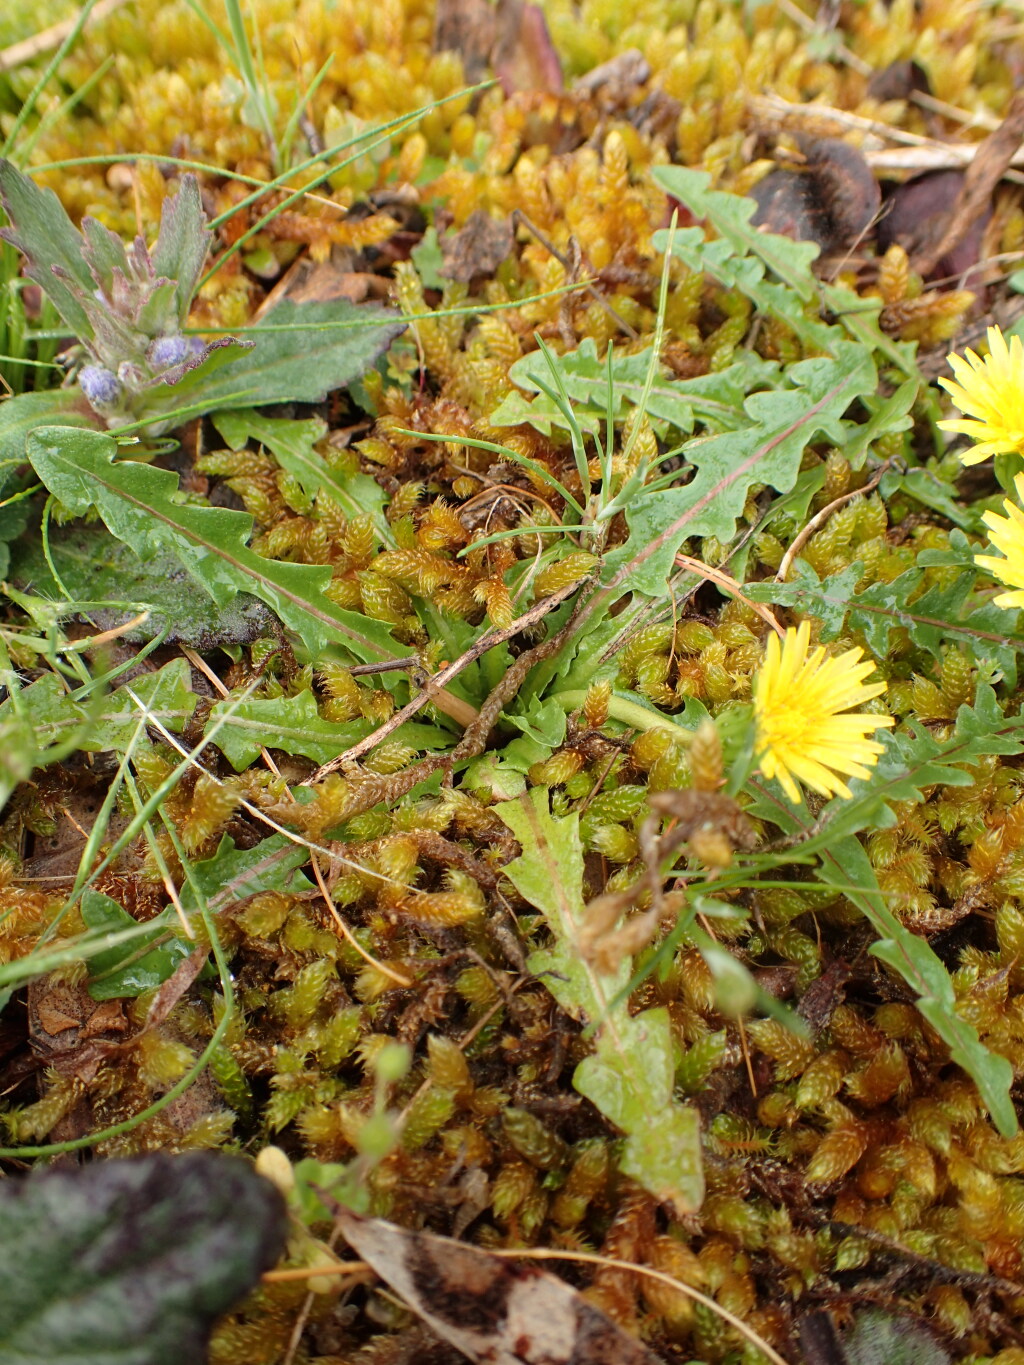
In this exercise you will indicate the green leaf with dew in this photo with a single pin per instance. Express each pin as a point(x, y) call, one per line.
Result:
point(94, 567)
point(128, 969)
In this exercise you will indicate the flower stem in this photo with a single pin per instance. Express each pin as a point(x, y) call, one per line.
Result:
point(625, 710)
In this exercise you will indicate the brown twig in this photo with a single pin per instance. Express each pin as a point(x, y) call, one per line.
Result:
point(819, 519)
point(347, 933)
point(518, 216)
point(970, 1279)
point(988, 166)
point(434, 684)
point(731, 586)
point(385, 666)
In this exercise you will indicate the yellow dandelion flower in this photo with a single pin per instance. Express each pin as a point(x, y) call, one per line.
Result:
point(800, 734)
point(991, 392)
point(1007, 535)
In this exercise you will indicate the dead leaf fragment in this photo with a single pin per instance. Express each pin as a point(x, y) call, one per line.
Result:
point(106, 1018)
point(493, 1312)
point(524, 57)
point(916, 214)
point(832, 199)
point(52, 1018)
point(478, 249)
point(467, 27)
point(990, 163)
point(324, 283)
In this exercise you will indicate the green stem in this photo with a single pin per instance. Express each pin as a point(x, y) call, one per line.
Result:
point(628, 712)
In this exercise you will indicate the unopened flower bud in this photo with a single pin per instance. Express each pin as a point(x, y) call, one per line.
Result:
point(168, 351)
point(132, 376)
point(99, 385)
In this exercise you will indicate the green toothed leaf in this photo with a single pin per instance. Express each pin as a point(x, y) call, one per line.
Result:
point(137, 503)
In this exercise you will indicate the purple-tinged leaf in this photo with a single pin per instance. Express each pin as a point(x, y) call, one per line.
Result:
point(49, 241)
point(183, 242)
point(130, 1261)
point(103, 252)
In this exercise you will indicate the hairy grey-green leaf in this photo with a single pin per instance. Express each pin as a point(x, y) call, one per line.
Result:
point(25, 412)
point(45, 235)
point(320, 347)
point(879, 1338)
point(183, 242)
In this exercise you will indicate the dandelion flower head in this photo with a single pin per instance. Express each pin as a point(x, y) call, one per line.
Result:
point(991, 394)
point(801, 735)
point(1007, 536)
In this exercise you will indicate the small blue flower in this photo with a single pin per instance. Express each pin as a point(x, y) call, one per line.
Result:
point(99, 385)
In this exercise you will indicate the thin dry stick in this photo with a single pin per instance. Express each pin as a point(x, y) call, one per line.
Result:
point(175, 899)
point(438, 680)
point(819, 519)
point(769, 107)
point(385, 666)
point(612, 1263)
point(518, 216)
point(309, 1272)
point(298, 1327)
point(347, 932)
point(197, 661)
point(602, 776)
point(976, 118)
point(731, 586)
point(115, 632)
point(49, 38)
point(916, 152)
point(745, 1049)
